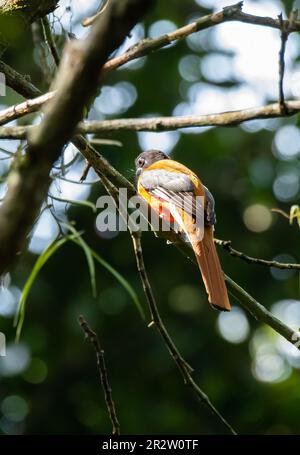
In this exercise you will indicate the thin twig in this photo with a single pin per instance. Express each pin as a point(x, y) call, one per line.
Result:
point(101, 364)
point(42, 51)
point(90, 20)
point(50, 41)
point(284, 37)
point(85, 171)
point(226, 244)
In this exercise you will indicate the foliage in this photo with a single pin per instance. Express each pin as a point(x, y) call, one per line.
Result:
point(241, 167)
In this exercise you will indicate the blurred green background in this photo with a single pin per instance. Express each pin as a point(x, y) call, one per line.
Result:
point(49, 380)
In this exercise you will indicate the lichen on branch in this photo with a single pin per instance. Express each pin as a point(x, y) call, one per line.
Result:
point(16, 15)
point(30, 10)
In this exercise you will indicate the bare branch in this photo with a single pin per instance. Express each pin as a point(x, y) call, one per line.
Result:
point(21, 84)
point(158, 124)
point(101, 364)
point(261, 313)
point(148, 45)
point(226, 244)
point(85, 171)
point(24, 108)
point(90, 20)
point(284, 37)
point(50, 41)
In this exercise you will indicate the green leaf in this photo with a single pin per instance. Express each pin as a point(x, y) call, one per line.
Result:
point(88, 254)
point(126, 285)
point(41, 261)
point(75, 202)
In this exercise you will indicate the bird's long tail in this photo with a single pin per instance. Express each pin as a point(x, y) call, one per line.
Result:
point(211, 271)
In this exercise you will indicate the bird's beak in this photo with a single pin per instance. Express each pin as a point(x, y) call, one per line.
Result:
point(138, 171)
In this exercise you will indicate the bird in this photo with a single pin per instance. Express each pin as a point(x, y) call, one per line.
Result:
point(166, 185)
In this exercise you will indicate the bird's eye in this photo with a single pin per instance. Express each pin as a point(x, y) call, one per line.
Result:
point(141, 162)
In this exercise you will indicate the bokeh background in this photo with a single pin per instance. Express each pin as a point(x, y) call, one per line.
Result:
point(49, 381)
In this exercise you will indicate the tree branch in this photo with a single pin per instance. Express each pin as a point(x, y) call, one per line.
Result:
point(101, 364)
point(283, 38)
point(50, 41)
point(226, 244)
point(21, 84)
point(148, 45)
point(261, 313)
point(30, 10)
point(158, 124)
point(90, 20)
point(29, 181)
point(24, 108)
point(155, 124)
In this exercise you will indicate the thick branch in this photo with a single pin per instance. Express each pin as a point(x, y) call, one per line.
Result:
point(156, 124)
point(28, 182)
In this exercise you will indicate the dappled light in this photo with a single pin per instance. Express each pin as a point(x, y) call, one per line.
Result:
point(219, 95)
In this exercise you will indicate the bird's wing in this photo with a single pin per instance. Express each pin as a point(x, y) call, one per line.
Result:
point(173, 187)
point(177, 189)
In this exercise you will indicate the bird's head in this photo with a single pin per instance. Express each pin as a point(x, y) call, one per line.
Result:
point(145, 159)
